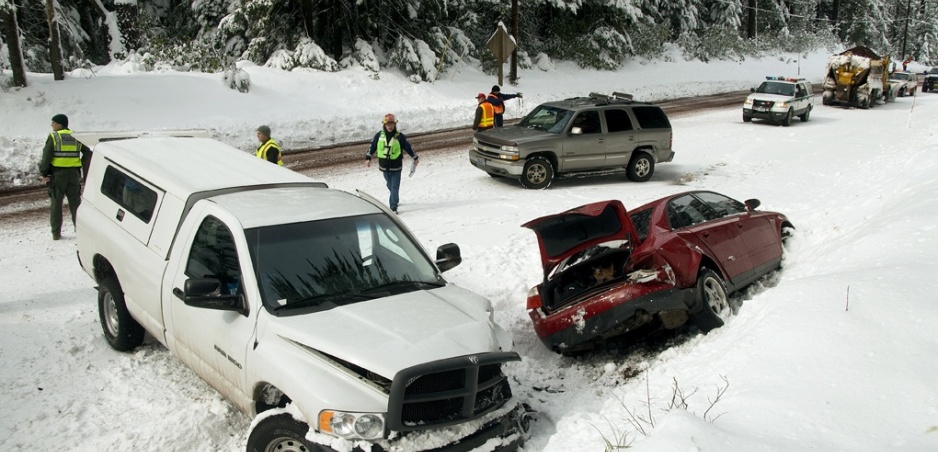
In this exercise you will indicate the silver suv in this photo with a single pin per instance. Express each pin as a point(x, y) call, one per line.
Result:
point(598, 134)
point(907, 81)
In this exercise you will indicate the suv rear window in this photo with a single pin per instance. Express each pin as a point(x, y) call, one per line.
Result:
point(650, 117)
point(617, 120)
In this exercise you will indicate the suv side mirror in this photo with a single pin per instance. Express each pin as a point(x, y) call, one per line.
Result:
point(447, 256)
point(207, 293)
point(752, 90)
point(576, 131)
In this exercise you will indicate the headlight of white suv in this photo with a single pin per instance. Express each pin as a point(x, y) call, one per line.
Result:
point(747, 102)
point(368, 426)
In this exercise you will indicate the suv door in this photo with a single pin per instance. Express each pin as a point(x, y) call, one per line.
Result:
point(585, 150)
point(621, 137)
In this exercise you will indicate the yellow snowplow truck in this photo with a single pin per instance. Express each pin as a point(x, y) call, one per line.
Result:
point(856, 77)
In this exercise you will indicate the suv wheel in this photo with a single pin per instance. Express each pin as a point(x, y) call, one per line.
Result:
point(806, 115)
point(787, 121)
point(537, 173)
point(641, 167)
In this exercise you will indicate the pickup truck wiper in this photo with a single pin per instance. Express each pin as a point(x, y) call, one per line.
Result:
point(386, 288)
point(331, 300)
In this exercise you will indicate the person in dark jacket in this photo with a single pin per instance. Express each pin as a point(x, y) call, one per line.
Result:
point(485, 114)
point(60, 169)
point(497, 98)
point(387, 145)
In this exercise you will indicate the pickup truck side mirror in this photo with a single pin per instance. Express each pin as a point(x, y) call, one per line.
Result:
point(447, 256)
point(207, 293)
point(751, 204)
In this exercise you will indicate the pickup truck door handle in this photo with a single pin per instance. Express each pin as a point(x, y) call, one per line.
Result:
point(178, 293)
point(120, 215)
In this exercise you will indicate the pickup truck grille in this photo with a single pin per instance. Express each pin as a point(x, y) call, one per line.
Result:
point(488, 149)
point(448, 392)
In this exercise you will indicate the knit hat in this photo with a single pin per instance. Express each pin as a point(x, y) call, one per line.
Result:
point(480, 96)
point(264, 130)
point(61, 120)
point(496, 89)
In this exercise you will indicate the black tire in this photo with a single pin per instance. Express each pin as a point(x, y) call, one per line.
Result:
point(901, 92)
point(787, 232)
point(281, 433)
point(807, 114)
point(787, 121)
point(711, 293)
point(747, 118)
point(537, 174)
point(641, 167)
point(121, 331)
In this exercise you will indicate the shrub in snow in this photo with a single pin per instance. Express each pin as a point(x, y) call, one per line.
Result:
point(543, 62)
point(363, 55)
point(415, 58)
point(451, 44)
point(607, 48)
point(238, 79)
point(310, 55)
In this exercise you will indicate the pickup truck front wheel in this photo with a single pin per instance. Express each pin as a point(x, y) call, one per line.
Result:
point(281, 433)
point(121, 331)
point(537, 173)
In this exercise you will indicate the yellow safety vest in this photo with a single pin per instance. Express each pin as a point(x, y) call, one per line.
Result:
point(270, 143)
point(488, 116)
point(66, 150)
point(395, 151)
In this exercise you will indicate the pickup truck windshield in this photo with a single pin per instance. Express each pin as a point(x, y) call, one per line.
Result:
point(320, 265)
point(548, 119)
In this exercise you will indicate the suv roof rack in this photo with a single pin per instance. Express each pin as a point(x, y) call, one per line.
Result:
point(616, 95)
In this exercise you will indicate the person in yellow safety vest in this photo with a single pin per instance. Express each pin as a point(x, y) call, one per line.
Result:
point(485, 114)
point(269, 149)
point(60, 169)
point(387, 145)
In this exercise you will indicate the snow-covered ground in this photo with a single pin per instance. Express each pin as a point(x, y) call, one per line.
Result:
point(836, 352)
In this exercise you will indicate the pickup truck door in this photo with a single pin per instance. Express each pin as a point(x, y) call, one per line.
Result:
point(214, 343)
point(585, 150)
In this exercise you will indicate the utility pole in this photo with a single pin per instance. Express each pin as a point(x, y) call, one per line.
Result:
point(513, 72)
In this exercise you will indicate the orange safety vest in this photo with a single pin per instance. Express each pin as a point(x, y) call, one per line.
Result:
point(499, 109)
point(488, 116)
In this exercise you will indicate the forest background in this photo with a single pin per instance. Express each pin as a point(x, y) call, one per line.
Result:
point(424, 38)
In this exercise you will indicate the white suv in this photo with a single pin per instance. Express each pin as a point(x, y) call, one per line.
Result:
point(780, 99)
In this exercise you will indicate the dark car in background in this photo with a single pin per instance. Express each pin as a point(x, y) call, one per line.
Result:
point(608, 271)
point(930, 80)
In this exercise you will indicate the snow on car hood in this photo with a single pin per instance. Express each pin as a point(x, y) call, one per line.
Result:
point(389, 334)
point(567, 233)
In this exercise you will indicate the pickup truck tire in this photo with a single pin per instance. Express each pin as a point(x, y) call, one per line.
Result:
point(281, 433)
point(537, 173)
point(716, 305)
point(121, 331)
point(640, 168)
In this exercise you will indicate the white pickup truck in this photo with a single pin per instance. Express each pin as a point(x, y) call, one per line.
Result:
point(313, 309)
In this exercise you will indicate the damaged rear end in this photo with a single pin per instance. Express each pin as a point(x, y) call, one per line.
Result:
point(596, 285)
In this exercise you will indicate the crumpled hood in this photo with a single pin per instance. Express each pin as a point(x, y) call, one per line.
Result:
point(389, 334)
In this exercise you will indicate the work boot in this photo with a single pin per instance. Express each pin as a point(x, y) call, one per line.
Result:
point(56, 236)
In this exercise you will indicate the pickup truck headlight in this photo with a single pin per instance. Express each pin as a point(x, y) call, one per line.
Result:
point(368, 426)
point(508, 153)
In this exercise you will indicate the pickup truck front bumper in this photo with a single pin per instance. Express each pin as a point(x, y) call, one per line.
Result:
point(495, 165)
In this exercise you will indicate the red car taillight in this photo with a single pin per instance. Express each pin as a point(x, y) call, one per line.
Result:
point(534, 298)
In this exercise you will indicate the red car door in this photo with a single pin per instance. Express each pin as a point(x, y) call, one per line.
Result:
point(756, 229)
point(719, 235)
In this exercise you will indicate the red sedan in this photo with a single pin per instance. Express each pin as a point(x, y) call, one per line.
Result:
point(608, 272)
